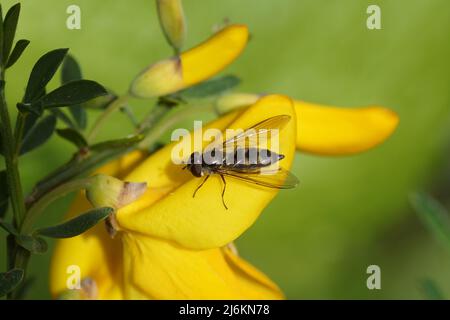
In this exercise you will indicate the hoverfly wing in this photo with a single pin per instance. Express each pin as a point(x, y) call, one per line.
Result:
point(261, 129)
point(278, 178)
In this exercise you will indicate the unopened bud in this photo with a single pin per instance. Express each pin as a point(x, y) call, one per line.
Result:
point(107, 191)
point(192, 66)
point(233, 101)
point(173, 22)
point(161, 78)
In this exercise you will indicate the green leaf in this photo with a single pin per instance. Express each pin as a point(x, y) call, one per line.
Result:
point(431, 290)
point(4, 196)
point(10, 280)
point(43, 71)
point(19, 48)
point(435, 217)
point(36, 245)
point(77, 225)
point(9, 30)
point(38, 134)
point(71, 71)
point(63, 117)
point(72, 93)
point(8, 227)
point(119, 143)
point(22, 291)
point(211, 87)
point(73, 136)
point(30, 121)
point(101, 102)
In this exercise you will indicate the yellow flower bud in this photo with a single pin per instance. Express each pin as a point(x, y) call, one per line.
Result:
point(173, 22)
point(233, 101)
point(193, 66)
point(107, 191)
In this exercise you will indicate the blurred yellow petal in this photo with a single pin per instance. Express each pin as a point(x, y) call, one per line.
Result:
point(338, 131)
point(203, 222)
point(157, 269)
point(193, 66)
point(252, 282)
point(328, 130)
point(94, 252)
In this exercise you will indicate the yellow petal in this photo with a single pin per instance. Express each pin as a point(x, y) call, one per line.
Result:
point(252, 282)
point(338, 131)
point(193, 66)
point(328, 130)
point(94, 252)
point(203, 222)
point(157, 269)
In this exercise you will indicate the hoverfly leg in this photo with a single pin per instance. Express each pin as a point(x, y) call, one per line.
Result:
point(223, 191)
point(201, 185)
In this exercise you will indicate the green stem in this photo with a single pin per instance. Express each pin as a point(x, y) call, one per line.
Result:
point(74, 168)
point(11, 160)
point(113, 107)
point(18, 133)
point(153, 117)
point(16, 256)
point(36, 210)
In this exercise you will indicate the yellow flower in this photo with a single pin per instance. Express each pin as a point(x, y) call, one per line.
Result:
point(327, 130)
point(173, 246)
point(170, 245)
point(193, 66)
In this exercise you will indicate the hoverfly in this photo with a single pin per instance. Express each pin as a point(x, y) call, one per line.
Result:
point(256, 170)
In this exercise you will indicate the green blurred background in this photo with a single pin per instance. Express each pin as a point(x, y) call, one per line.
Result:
point(350, 212)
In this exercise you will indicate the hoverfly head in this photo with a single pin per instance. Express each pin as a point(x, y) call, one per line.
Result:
point(194, 164)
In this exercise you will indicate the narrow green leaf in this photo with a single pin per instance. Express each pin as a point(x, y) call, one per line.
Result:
point(63, 117)
point(43, 71)
point(19, 48)
point(119, 143)
point(79, 114)
point(10, 280)
point(431, 290)
point(77, 225)
point(101, 102)
point(71, 71)
point(22, 291)
point(36, 245)
point(72, 93)
point(30, 121)
point(435, 217)
point(73, 136)
point(9, 30)
point(8, 227)
point(38, 134)
point(211, 87)
point(4, 196)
